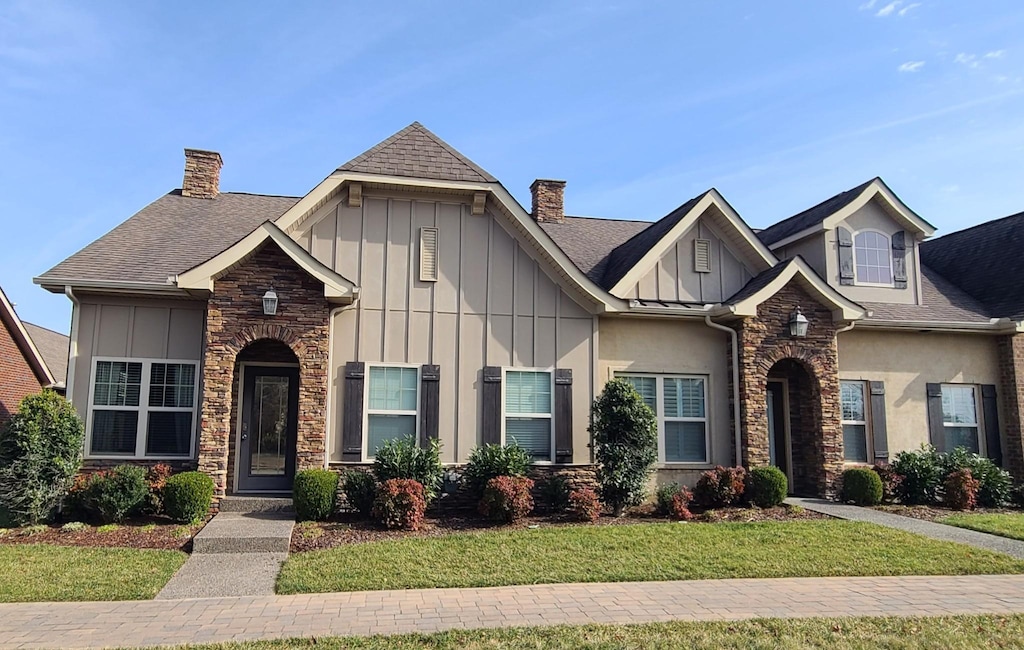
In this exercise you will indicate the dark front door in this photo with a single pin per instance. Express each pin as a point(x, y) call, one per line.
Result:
point(270, 408)
point(778, 421)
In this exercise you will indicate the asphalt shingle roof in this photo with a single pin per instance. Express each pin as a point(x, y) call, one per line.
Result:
point(588, 241)
point(942, 301)
point(53, 348)
point(811, 216)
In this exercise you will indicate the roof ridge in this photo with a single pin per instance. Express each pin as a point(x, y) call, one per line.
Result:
point(968, 229)
point(43, 327)
point(576, 216)
point(853, 190)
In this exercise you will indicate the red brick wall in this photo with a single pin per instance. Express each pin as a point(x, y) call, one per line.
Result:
point(17, 380)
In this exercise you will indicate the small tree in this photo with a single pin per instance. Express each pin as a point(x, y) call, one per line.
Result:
point(40, 454)
point(625, 432)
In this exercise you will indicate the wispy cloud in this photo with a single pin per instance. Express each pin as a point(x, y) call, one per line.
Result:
point(888, 9)
point(911, 66)
point(905, 10)
point(870, 4)
point(995, 54)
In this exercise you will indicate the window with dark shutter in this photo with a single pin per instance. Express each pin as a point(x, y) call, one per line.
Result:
point(430, 393)
point(563, 415)
point(352, 421)
point(844, 239)
point(990, 418)
point(936, 427)
point(879, 436)
point(490, 426)
point(899, 259)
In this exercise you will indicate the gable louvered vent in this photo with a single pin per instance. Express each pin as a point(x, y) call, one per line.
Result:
point(428, 254)
point(702, 255)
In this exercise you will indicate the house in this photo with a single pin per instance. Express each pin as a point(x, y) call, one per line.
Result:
point(408, 294)
point(31, 358)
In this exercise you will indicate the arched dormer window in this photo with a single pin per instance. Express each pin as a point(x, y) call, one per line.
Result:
point(873, 257)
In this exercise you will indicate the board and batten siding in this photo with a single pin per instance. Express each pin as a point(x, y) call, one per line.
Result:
point(147, 329)
point(674, 278)
point(493, 304)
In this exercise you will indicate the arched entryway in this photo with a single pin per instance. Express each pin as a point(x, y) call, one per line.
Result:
point(793, 414)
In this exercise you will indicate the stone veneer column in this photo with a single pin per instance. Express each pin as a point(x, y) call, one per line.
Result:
point(764, 340)
point(1011, 391)
point(234, 319)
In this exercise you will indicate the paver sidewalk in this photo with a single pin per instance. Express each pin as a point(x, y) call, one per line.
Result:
point(146, 623)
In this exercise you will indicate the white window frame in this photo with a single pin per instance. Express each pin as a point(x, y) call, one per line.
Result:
point(143, 409)
point(856, 275)
point(366, 404)
point(662, 418)
point(866, 422)
point(978, 415)
point(550, 416)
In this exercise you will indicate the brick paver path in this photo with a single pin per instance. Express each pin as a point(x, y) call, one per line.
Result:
point(143, 623)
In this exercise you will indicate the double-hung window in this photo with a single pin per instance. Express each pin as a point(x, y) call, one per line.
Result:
point(854, 421)
point(142, 408)
point(391, 406)
point(528, 420)
point(680, 403)
point(960, 417)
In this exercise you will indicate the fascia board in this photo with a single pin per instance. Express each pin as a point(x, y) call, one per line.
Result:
point(40, 368)
point(843, 308)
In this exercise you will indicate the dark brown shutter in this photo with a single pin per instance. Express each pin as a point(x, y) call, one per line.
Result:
point(491, 426)
point(879, 437)
point(845, 241)
point(352, 419)
point(563, 415)
point(899, 259)
point(936, 430)
point(990, 413)
point(430, 396)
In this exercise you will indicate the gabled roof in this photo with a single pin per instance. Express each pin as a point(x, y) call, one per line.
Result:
point(416, 152)
point(822, 215)
point(54, 348)
point(986, 261)
point(25, 344)
point(204, 276)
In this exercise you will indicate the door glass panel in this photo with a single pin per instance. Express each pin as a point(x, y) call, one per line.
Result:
point(268, 442)
point(771, 428)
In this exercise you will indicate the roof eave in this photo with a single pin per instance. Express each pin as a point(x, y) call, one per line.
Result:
point(993, 326)
point(24, 341)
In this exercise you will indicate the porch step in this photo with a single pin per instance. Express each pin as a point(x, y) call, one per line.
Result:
point(252, 532)
point(244, 504)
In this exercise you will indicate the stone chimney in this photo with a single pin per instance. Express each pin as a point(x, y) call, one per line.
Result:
point(548, 201)
point(202, 174)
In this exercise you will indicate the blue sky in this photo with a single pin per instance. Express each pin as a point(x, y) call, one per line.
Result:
point(639, 106)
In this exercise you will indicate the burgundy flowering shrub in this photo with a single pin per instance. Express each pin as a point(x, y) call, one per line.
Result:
point(961, 490)
point(584, 504)
point(400, 503)
point(507, 498)
point(891, 481)
point(156, 478)
point(680, 508)
point(719, 487)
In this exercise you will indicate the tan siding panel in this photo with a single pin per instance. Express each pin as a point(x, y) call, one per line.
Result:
point(149, 332)
point(525, 270)
point(688, 282)
point(474, 264)
point(419, 337)
point(371, 334)
point(350, 232)
point(648, 285)
point(449, 221)
point(185, 336)
point(87, 321)
point(395, 337)
point(324, 238)
point(544, 343)
point(446, 351)
point(499, 341)
point(113, 331)
point(503, 251)
point(398, 254)
point(422, 292)
point(471, 363)
point(547, 295)
point(523, 353)
point(376, 228)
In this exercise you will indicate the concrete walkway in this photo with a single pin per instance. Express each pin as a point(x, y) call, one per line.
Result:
point(930, 529)
point(149, 623)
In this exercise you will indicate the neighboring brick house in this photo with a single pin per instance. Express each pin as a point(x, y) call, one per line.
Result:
point(31, 358)
point(408, 294)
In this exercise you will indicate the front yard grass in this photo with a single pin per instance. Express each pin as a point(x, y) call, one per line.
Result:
point(44, 572)
point(1004, 525)
point(951, 633)
point(635, 553)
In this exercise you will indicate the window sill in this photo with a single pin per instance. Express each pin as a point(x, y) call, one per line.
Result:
point(134, 457)
point(682, 465)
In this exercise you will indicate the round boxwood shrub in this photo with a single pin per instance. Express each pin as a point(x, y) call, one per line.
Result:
point(360, 490)
point(766, 486)
point(121, 492)
point(862, 487)
point(187, 496)
point(315, 494)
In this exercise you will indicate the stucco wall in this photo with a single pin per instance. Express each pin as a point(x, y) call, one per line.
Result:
point(908, 361)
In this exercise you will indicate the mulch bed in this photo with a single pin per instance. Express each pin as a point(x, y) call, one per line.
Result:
point(150, 532)
point(349, 529)
point(935, 513)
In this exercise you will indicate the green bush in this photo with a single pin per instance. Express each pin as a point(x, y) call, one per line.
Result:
point(862, 487)
point(554, 494)
point(40, 454)
point(625, 432)
point(663, 498)
point(187, 496)
point(402, 459)
point(315, 493)
point(491, 461)
point(995, 484)
point(113, 495)
point(922, 474)
point(766, 487)
point(360, 490)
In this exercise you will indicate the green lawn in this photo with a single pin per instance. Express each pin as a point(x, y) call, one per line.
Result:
point(1004, 525)
point(950, 633)
point(634, 553)
point(43, 572)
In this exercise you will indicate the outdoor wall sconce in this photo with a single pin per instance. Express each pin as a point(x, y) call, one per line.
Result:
point(797, 324)
point(270, 303)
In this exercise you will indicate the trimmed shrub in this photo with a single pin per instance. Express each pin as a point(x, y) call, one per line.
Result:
point(315, 494)
point(663, 498)
point(960, 490)
point(995, 484)
point(156, 479)
point(403, 459)
point(922, 475)
point(40, 454)
point(187, 496)
point(507, 498)
point(719, 487)
point(555, 494)
point(891, 482)
point(118, 493)
point(584, 505)
point(360, 490)
point(861, 487)
point(767, 486)
point(680, 508)
point(490, 461)
point(400, 503)
point(625, 432)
